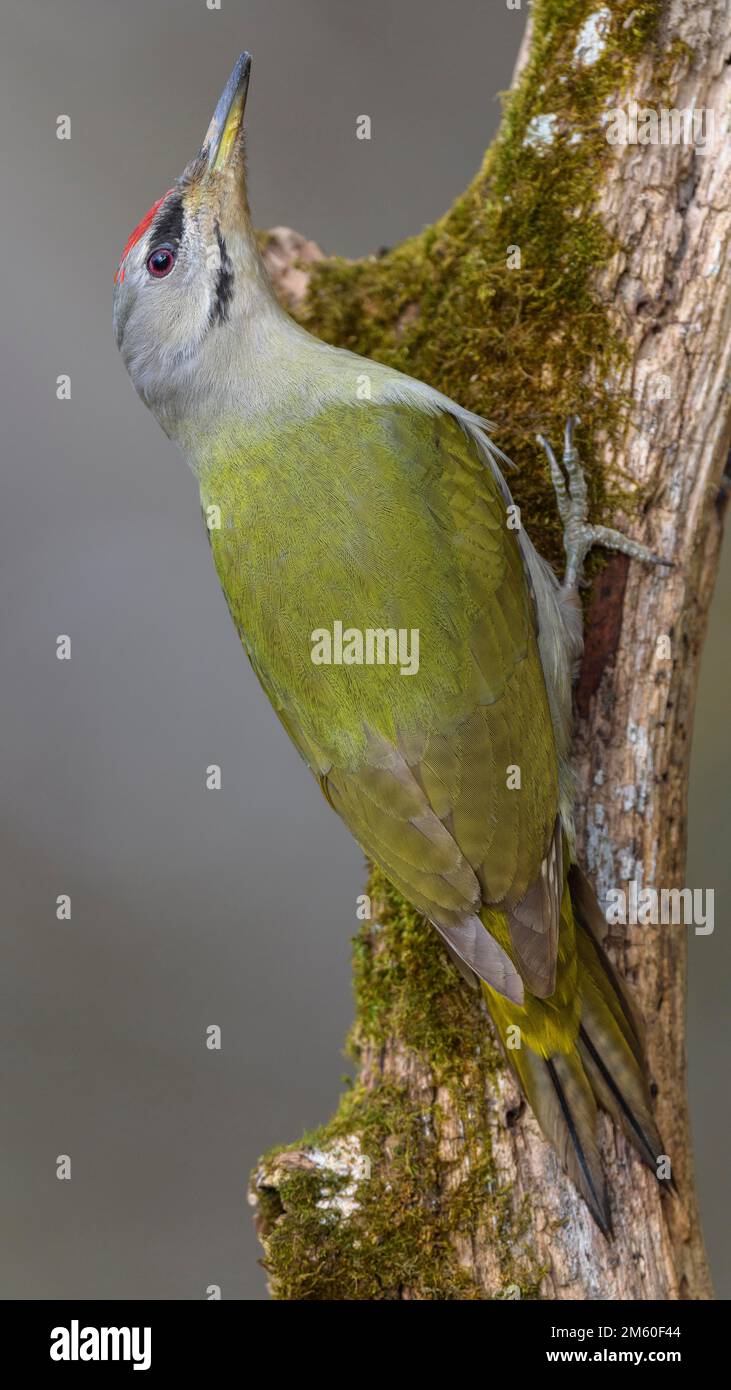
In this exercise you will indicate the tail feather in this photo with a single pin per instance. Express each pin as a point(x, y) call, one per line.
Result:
point(590, 920)
point(613, 1056)
point(632, 1115)
point(564, 1105)
point(601, 1058)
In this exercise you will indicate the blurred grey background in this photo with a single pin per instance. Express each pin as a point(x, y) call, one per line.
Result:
point(187, 903)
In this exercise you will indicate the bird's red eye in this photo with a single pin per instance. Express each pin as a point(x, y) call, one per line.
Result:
point(161, 261)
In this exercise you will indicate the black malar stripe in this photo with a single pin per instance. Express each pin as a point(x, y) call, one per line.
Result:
point(224, 287)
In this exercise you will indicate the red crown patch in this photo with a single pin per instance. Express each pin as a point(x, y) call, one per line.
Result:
point(139, 231)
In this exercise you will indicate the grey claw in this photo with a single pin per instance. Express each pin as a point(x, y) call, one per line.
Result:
point(571, 425)
point(569, 484)
point(614, 540)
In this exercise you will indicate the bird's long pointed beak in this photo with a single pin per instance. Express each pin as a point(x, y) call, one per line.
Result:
point(227, 120)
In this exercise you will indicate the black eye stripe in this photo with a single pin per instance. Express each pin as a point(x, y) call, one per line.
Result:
point(168, 225)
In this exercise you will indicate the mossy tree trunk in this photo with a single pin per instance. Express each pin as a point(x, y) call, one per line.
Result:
point(432, 1181)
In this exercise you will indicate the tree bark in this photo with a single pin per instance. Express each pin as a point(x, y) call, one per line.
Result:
point(433, 1180)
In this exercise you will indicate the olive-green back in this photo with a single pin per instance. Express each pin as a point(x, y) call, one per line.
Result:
point(377, 517)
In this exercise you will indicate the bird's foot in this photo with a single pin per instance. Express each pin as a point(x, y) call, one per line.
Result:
point(579, 535)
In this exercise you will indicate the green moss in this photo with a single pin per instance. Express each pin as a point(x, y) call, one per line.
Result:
point(526, 347)
point(529, 346)
point(406, 986)
point(401, 1237)
point(415, 1205)
point(390, 1243)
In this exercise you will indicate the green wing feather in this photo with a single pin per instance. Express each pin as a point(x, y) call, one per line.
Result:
point(385, 516)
